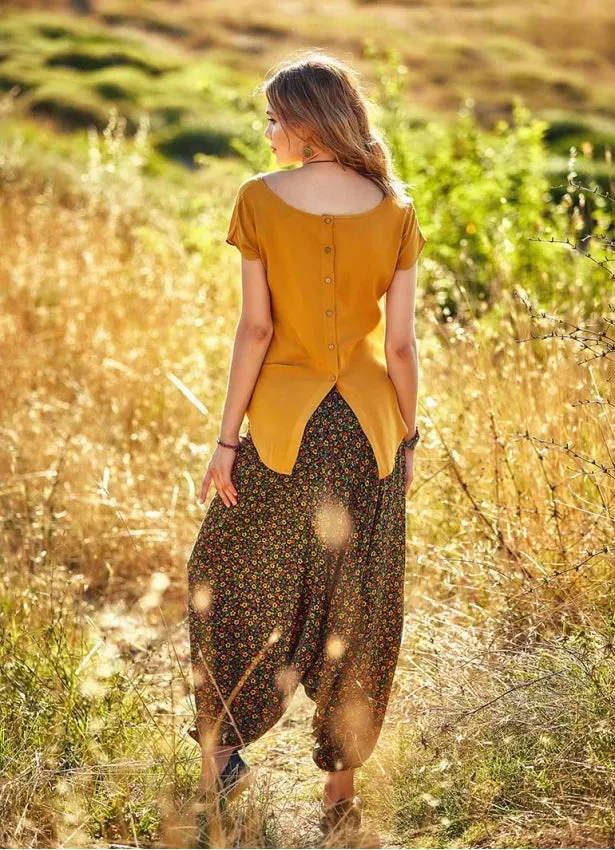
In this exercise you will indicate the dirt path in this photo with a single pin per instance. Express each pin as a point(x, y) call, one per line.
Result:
point(287, 784)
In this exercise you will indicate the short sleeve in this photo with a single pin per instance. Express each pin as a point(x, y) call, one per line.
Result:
point(412, 240)
point(242, 226)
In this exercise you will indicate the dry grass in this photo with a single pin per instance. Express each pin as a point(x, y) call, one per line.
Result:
point(500, 729)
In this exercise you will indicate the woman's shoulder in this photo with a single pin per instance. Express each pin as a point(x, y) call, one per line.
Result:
point(246, 186)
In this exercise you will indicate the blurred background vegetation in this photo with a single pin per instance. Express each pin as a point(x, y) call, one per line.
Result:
point(125, 131)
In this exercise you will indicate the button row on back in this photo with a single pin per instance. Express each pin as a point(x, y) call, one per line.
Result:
point(328, 279)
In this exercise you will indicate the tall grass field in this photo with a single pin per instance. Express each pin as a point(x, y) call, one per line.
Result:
point(119, 301)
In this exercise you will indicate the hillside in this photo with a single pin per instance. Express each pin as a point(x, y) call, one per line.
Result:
point(191, 66)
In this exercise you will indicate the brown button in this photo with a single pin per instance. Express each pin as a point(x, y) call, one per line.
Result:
point(327, 280)
point(328, 249)
point(331, 345)
point(329, 312)
point(332, 377)
point(328, 220)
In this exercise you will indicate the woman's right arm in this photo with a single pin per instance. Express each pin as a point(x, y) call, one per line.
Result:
point(252, 338)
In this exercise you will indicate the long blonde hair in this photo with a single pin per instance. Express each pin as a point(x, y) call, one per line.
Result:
point(321, 95)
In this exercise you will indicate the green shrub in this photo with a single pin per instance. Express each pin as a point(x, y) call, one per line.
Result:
point(70, 109)
point(90, 59)
point(183, 143)
point(566, 130)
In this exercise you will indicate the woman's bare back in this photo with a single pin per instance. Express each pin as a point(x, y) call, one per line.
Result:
point(326, 188)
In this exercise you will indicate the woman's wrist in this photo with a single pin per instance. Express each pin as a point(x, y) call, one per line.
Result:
point(228, 444)
point(410, 442)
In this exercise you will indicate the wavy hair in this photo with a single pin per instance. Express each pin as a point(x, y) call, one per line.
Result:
point(321, 96)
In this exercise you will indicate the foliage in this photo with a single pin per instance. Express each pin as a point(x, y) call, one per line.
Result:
point(486, 205)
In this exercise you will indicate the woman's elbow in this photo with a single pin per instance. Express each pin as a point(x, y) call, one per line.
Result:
point(401, 350)
point(258, 332)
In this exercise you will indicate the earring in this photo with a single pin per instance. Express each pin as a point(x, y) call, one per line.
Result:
point(307, 152)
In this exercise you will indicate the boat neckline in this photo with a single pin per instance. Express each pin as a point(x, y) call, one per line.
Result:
point(261, 179)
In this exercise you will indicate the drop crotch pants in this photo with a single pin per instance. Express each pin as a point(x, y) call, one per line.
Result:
point(326, 642)
point(302, 582)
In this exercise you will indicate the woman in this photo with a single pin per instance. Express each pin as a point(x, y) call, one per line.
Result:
point(297, 573)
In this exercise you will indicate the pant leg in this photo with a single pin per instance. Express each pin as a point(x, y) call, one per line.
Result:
point(243, 589)
point(257, 594)
point(362, 627)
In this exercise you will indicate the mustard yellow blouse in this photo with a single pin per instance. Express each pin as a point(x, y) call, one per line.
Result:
point(326, 276)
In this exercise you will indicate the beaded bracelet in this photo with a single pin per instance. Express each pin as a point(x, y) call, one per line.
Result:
point(227, 445)
point(411, 443)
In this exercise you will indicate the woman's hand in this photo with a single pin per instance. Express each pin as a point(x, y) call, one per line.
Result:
point(219, 471)
point(409, 467)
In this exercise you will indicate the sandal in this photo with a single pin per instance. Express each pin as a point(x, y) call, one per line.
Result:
point(234, 778)
point(236, 774)
point(344, 814)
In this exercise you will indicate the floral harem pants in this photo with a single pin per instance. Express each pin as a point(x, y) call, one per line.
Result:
point(301, 582)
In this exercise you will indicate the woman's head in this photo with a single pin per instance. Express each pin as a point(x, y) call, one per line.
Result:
point(316, 109)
